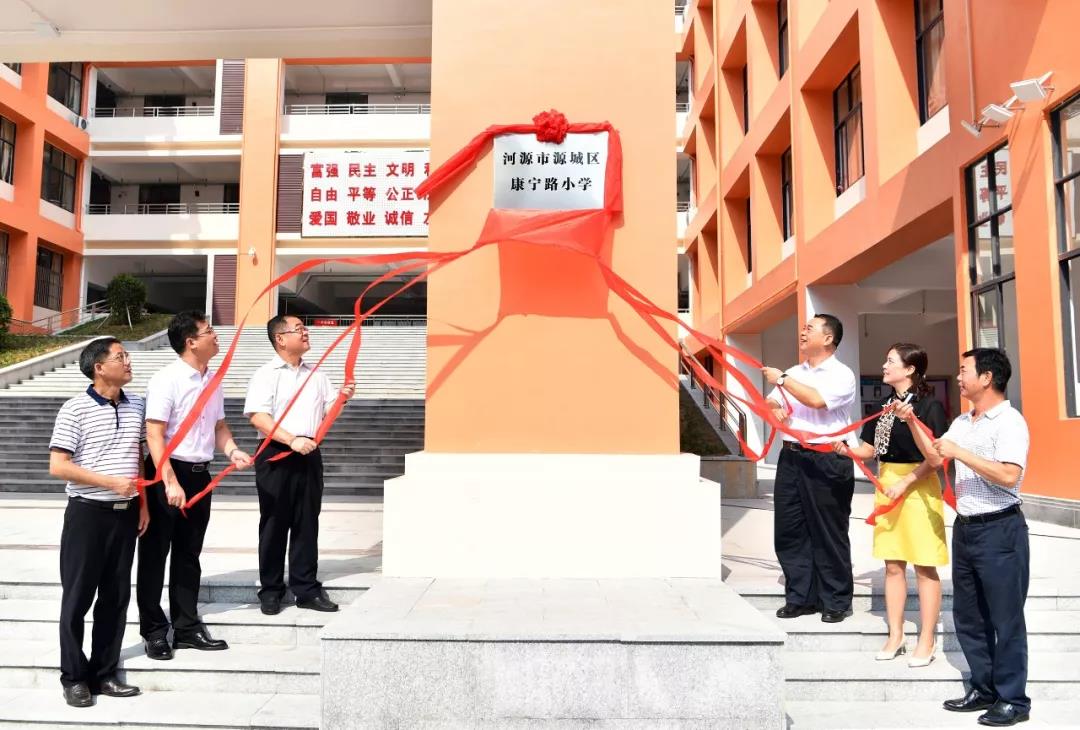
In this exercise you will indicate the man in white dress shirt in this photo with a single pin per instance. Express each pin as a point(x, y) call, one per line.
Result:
point(290, 489)
point(170, 396)
point(813, 490)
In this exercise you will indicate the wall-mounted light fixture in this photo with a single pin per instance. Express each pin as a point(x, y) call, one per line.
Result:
point(1032, 89)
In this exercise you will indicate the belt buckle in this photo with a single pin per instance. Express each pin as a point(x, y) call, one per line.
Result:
point(196, 468)
point(118, 506)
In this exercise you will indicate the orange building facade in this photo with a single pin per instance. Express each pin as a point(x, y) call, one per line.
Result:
point(840, 156)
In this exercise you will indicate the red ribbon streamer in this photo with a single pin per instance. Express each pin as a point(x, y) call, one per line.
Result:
point(579, 231)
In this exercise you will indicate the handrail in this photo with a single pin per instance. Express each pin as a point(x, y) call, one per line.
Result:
point(162, 208)
point(153, 111)
point(682, 107)
point(732, 417)
point(375, 320)
point(316, 109)
point(682, 206)
point(85, 313)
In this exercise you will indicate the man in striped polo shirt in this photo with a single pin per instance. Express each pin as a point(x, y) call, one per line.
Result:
point(96, 447)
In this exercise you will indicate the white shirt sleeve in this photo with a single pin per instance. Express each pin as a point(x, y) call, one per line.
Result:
point(328, 392)
point(67, 430)
point(159, 398)
point(837, 389)
point(260, 393)
point(1011, 444)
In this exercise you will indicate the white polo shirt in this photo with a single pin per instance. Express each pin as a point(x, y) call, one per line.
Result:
point(273, 386)
point(170, 396)
point(1000, 434)
point(835, 383)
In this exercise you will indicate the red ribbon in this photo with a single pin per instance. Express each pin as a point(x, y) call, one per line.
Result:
point(578, 231)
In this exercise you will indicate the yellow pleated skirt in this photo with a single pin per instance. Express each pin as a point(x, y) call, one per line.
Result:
point(914, 531)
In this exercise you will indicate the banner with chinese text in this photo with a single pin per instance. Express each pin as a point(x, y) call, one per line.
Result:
point(364, 193)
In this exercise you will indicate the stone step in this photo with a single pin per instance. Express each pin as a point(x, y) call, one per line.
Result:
point(841, 715)
point(240, 485)
point(242, 668)
point(179, 710)
point(1048, 631)
point(237, 623)
point(856, 676)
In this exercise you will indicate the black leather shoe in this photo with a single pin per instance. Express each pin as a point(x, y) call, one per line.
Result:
point(791, 610)
point(1003, 714)
point(158, 649)
point(270, 606)
point(971, 702)
point(113, 687)
point(78, 695)
point(318, 603)
point(834, 617)
point(200, 640)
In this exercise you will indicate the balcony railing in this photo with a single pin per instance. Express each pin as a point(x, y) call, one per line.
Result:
point(162, 208)
point(682, 107)
point(680, 14)
point(375, 320)
point(319, 109)
point(154, 111)
point(682, 206)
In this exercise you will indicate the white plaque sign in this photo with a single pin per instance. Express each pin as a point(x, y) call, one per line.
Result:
point(548, 176)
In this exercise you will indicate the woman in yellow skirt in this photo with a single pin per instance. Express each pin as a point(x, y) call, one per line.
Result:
point(913, 532)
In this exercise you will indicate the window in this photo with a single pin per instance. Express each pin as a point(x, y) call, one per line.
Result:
point(16, 67)
point(58, 178)
point(749, 241)
point(745, 99)
point(781, 40)
point(4, 242)
point(787, 200)
point(930, 52)
point(991, 259)
point(1065, 123)
point(65, 84)
point(7, 149)
point(847, 113)
point(49, 283)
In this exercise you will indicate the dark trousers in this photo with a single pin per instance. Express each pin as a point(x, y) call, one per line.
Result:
point(169, 529)
point(290, 499)
point(812, 506)
point(991, 568)
point(97, 546)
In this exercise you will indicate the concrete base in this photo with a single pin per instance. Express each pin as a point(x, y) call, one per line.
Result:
point(737, 475)
point(551, 515)
point(446, 653)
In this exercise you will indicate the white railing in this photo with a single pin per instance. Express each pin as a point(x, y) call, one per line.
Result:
point(680, 15)
point(682, 206)
point(317, 109)
point(374, 320)
point(683, 215)
point(162, 208)
point(682, 107)
point(59, 321)
point(154, 111)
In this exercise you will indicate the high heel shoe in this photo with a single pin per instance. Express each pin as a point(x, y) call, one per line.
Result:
point(888, 656)
point(922, 661)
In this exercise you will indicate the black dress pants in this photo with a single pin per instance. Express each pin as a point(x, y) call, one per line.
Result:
point(290, 499)
point(171, 530)
point(812, 506)
point(991, 569)
point(97, 546)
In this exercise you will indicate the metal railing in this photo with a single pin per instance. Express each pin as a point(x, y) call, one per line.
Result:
point(682, 206)
point(59, 321)
point(162, 208)
point(682, 107)
point(731, 417)
point(375, 320)
point(317, 109)
point(154, 111)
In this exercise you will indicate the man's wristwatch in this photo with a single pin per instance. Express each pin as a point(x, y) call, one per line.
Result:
point(229, 455)
point(780, 380)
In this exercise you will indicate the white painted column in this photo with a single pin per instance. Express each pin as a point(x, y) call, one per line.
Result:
point(751, 345)
point(208, 310)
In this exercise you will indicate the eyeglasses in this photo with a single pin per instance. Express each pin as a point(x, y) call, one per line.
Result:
point(300, 330)
point(207, 331)
point(123, 357)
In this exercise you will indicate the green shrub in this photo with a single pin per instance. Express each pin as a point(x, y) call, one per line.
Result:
point(127, 297)
point(5, 315)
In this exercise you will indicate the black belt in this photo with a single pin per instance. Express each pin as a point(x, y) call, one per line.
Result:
point(796, 446)
point(118, 505)
point(988, 516)
point(192, 466)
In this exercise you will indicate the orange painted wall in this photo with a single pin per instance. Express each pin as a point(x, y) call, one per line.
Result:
point(911, 199)
point(527, 353)
point(21, 218)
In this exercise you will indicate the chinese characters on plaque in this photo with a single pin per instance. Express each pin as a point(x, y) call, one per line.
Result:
point(548, 176)
point(364, 193)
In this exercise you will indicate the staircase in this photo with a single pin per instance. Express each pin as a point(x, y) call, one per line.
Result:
point(833, 682)
point(367, 445)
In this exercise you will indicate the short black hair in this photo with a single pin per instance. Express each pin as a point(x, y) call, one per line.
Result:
point(94, 353)
point(276, 325)
point(832, 326)
point(994, 361)
point(182, 326)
